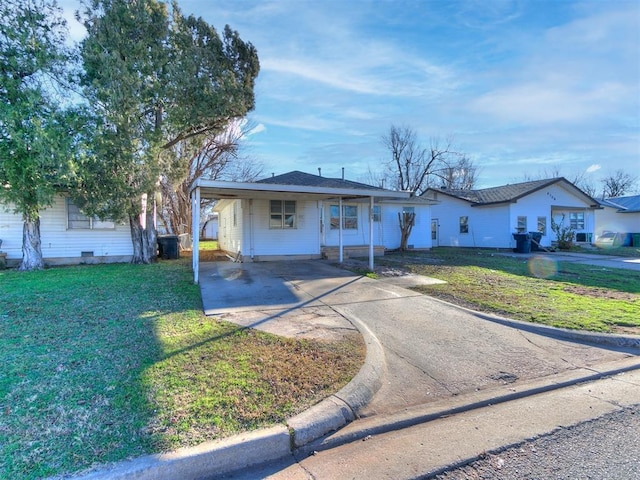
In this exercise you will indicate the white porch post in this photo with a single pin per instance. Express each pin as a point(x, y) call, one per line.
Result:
point(371, 233)
point(340, 255)
point(195, 233)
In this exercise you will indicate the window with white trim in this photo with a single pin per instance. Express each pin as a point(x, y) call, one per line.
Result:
point(282, 214)
point(522, 224)
point(349, 217)
point(377, 213)
point(576, 220)
point(542, 225)
point(464, 224)
point(76, 220)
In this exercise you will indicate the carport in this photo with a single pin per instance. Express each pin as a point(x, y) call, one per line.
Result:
point(339, 191)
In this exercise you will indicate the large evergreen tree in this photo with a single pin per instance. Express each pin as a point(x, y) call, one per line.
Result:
point(155, 78)
point(35, 134)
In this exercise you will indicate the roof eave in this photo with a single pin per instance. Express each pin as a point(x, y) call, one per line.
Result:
point(219, 185)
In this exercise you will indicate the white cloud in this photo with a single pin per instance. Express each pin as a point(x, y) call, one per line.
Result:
point(257, 129)
point(593, 168)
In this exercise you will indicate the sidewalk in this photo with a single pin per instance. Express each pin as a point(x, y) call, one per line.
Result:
point(425, 359)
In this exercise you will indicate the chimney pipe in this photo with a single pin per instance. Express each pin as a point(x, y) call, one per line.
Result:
point(273, 174)
point(343, 173)
point(319, 172)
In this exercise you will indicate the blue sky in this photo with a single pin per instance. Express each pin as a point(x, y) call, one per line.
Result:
point(522, 87)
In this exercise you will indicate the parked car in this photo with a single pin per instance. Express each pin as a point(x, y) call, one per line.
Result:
point(606, 240)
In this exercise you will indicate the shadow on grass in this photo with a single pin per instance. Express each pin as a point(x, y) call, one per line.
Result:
point(74, 343)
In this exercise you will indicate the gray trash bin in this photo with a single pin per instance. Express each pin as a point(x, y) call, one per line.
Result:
point(523, 242)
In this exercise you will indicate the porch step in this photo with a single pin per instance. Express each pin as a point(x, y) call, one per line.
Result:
point(351, 251)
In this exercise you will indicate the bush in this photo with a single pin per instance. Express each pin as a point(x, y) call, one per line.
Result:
point(564, 235)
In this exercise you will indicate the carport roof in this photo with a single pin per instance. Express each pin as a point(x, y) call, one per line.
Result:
point(294, 183)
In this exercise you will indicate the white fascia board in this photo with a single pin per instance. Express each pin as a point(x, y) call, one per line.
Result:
point(219, 185)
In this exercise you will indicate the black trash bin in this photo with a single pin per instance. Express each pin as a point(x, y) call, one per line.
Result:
point(536, 238)
point(523, 243)
point(168, 247)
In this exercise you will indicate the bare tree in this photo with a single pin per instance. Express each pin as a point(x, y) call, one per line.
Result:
point(618, 184)
point(411, 165)
point(212, 157)
point(461, 175)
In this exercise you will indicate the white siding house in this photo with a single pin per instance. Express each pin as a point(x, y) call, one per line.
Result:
point(67, 236)
point(257, 230)
point(302, 216)
point(618, 215)
point(489, 217)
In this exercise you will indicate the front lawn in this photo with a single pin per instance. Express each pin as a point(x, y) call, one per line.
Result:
point(560, 294)
point(102, 363)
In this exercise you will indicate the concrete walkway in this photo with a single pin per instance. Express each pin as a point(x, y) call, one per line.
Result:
point(425, 359)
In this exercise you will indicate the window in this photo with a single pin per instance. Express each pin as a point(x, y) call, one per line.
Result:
point(576, 220)
point(522, 224)
point(464, 224)
point(542, 225)
point(282, 214)
point(76, 220)
point(377, 215)
point(349, 217)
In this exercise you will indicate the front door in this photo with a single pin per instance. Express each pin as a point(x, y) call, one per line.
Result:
point(434, 233)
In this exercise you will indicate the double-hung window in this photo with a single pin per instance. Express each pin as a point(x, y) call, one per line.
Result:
point(542, 225)
point(349, 217)
point(576, 220)
point(76, 220)
point(464, 224)
point(377, 215)
point(282, 214)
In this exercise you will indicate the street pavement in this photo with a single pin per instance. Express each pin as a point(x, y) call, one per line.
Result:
point(440, 384)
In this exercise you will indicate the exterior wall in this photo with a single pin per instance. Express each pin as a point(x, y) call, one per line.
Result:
point(254, 239)
point(386, 232)
point(610, 220)
point(303, 240)
point(488, 227)
point(61, 245)
point(230, 231)
point(553, 201)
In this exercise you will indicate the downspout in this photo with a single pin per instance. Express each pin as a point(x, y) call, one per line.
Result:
point(195, 233)
point(251, 228)
point(371, 233)
point(340, 253)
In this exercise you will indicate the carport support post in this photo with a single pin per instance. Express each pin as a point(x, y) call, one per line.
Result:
point(195, 233)
point(340, 255)
point(371, 233)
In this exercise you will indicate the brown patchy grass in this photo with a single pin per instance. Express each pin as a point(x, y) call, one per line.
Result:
point(105, 362)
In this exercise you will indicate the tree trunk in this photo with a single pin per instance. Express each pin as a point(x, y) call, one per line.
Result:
point(31, 245)
point(143, 240)
point(406, 220)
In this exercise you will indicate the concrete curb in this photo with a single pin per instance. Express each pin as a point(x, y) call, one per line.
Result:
point(610, 339)
point(377, 425)
point(262, 446)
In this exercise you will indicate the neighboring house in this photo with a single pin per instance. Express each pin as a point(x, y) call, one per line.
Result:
point(489, 217)
point(303, 216)
point(618, 215)
point(209, 230)
point(68, 236)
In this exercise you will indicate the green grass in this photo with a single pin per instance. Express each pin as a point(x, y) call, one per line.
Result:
point(102, 363)
point(208, 245)
point(560, 294)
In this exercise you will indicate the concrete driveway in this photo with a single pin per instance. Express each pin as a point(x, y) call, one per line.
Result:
point(432, 350)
